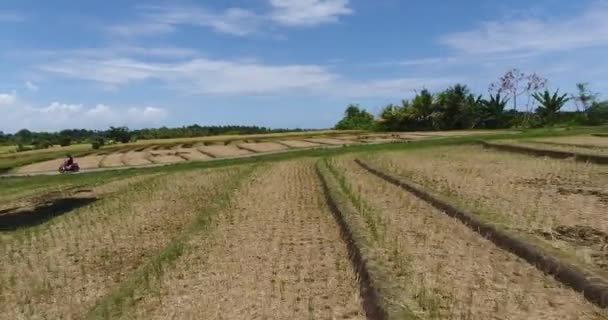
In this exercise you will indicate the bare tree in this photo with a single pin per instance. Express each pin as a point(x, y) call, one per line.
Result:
point(515, 83)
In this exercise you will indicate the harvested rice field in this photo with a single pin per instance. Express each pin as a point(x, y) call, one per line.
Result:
point(299, 144)
point(576, 149)
point(299, 238)
point(330, 141)
point(262, 147)
point(192, 154)
point(559, 204)
point(49, 165)
point(166, 156)
point(585, 140)
point(429, 265)
point(276, 250)
point(222, 151)
point(137, 158)
point(112, 160)
point(89, 162)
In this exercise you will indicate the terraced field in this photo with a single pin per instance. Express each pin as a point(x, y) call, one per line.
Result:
point(308, 238)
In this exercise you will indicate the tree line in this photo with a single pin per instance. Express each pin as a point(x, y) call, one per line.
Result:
point(26, 139)
point(515, 100)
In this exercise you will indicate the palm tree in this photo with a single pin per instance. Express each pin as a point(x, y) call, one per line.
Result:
point(492, 111)
point(550, 104)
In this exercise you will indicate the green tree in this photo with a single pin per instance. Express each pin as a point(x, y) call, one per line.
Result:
point(550, 105)
point(120, 134)
point(356, 118)
point(492, 112)
point(584, 98)
point(456, 108)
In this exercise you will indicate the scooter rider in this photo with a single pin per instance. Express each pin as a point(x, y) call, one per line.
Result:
point(69, 162)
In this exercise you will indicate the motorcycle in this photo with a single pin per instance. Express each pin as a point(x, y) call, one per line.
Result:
point(65, 168)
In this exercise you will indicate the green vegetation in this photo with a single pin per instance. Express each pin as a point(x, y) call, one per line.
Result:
point(458, 108)
point(356, 118)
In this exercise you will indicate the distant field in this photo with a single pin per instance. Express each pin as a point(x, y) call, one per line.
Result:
point(7, 149)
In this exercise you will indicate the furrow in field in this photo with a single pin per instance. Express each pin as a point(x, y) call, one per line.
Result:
point(275, 253)
point(560, 205)
point(435, 267)
point(60, 269)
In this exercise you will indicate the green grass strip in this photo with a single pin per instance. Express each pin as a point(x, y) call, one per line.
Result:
point(122, 299)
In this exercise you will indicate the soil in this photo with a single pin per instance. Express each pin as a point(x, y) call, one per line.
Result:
point(221, 151)
point(193, 154)
point(276, 254)
point(89, 162)
point(112, 160)
point(136, 158)
point(165, 156)
point(262, 147)
point(299, 144)
point(50, 165)
point(330, 141)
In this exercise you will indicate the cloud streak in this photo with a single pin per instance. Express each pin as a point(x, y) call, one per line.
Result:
point(162, 20)
point(588, 29)
point(204, 76)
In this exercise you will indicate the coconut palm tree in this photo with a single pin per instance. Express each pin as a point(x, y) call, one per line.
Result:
point(550, 105)
point(492, 111)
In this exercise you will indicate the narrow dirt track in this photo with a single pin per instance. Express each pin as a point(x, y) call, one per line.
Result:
point(443, 270)
point(276, 253)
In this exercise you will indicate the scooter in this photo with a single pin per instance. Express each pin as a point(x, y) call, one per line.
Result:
point(65, 168)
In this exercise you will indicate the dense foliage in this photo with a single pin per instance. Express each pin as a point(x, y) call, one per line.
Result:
point(459, 108)
point(27, 139)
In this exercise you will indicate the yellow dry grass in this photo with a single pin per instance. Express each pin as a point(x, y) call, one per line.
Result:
point(275, 253)
point(434, 267)
point(545, 199)
point(60, 269)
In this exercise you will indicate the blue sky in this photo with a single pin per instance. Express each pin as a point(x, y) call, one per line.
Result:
point(277, 63)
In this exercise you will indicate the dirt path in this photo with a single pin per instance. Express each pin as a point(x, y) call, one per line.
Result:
point(276, 253)
point(439, 268)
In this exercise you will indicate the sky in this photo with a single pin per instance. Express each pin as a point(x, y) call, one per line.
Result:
point(275, 63)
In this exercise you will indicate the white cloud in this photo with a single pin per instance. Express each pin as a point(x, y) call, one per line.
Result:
point(308, 12)
point(141, 29)
point(201, 76)
point(587, 29)
point(8, 98)
point(160, 20)
point(31, 86)
point(17, 114)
